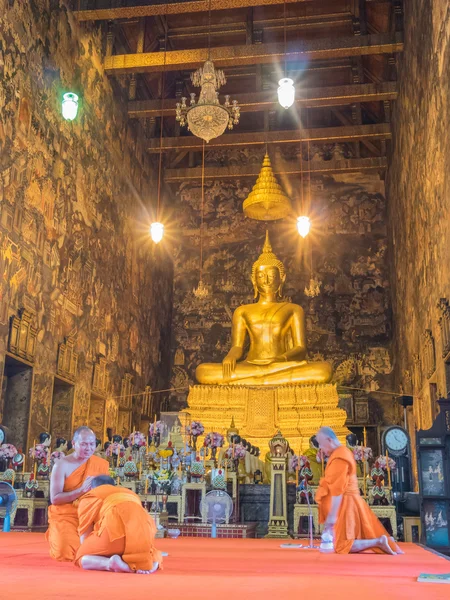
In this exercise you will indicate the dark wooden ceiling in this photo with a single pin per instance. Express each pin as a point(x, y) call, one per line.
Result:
point(340, 53)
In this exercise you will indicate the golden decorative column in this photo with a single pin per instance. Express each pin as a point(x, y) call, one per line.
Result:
point(278, 523)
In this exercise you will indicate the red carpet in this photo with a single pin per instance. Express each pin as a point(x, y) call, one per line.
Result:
point(218, 569)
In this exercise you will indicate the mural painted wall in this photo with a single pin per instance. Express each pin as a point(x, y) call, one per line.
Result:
point(73, 251)
point(418, 187)
point(348, 322)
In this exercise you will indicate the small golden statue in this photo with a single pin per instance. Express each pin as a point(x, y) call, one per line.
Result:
point(277, 333)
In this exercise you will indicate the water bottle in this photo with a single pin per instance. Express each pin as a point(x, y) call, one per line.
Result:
point(326, 545)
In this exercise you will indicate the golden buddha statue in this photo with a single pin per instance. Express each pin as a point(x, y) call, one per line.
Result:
point(277, 333)
point(273, 387)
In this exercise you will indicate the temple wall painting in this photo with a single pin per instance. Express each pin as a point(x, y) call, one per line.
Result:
point(418, 189)
point(348, 321)
point(72, 255)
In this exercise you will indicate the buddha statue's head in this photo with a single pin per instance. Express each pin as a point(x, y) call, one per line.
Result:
point(268, 273)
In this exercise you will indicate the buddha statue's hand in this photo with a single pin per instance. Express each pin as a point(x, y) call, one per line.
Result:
point(229, 363)
point(228, 367)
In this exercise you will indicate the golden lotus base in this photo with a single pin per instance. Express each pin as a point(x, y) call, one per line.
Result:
point(298, 411)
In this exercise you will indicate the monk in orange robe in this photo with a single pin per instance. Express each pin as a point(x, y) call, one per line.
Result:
point(71, 478)
point(345, 514)
point(116, 532)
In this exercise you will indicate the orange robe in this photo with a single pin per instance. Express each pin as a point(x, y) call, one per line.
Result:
point(62, 533)
point(121, 526)
point(355, 520)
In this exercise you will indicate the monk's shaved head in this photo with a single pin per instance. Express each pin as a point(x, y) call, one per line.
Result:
point(327, 440)
point(102, 480)
point(79, 432)
point(328, 432)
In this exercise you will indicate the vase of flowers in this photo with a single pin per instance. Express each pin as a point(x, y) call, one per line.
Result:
point(213, 440)
point(7, 453)
point(236, 452)
point(195, 429)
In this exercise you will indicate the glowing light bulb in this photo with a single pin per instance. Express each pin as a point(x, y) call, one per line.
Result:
point(303, 226)
point(70, 106)
point(286, 92)
point(157, 232)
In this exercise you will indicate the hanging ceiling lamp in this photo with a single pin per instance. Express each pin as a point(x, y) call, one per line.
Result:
point(69, 106)
point(303, 226)
point(208, 119)
point(202, 291)
point(157, 228)
point(267, 200)
point(286, 89)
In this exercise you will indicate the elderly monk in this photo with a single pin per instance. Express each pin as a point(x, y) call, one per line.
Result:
point(344, 513)
point(71, 478)
point(116, 532)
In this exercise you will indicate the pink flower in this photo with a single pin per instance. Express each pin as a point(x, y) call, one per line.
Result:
point(138, 439)
point(239, 452)
point(195, 428)
point(7, 451)
point(39, 452)
point(153, 431)
point(214, 440)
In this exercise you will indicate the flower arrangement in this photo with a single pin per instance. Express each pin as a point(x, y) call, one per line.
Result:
point(138, 439)
point(382, 463)
point(163, 478)
point(297, 462)
point(115, 448)
point(7, 451)
point(39, 452)
point(155, 428)
point(213, 440)
point(362, 453)
point(239, 452)
point(195, 428)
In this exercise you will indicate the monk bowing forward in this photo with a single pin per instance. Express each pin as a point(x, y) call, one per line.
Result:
point(345, 514)
point(71, 478)
point(116, 532)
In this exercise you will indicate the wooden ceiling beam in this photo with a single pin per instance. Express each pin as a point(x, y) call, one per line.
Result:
point(350, 165)
point(229, 56)
point(259, 101)
point(352, 133)
point(171, 8)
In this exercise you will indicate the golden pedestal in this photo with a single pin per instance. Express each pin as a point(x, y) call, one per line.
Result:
point(298, 411)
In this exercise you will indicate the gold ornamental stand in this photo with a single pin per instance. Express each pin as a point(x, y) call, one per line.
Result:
point(278, 523)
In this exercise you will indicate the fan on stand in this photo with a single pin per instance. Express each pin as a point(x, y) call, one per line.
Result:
point(216, 507)
point(8, 504)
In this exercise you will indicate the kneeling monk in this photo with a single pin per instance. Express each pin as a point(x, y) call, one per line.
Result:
point(71, 478)
point(116, 532)
point(341, 508)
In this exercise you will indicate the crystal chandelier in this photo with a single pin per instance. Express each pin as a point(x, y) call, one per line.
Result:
point(201, 291)
point(314, 288)
point(207, 118)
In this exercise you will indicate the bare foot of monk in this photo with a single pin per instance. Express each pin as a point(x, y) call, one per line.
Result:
point(117, 565)
point(154, 569)
point(383, 544)
point(397, 547)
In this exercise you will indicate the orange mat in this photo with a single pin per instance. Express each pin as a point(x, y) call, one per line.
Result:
point(218, 569)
